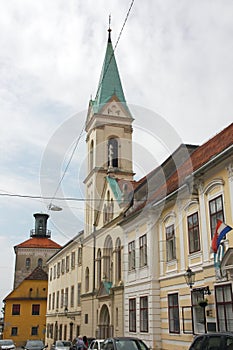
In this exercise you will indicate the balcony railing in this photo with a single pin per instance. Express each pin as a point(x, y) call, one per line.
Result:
point(40, 233)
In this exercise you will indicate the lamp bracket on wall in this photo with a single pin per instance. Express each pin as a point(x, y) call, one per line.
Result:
point(66, 312)
point(205, 290)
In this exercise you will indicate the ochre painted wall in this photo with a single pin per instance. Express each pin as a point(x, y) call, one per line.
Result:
point(29, 292)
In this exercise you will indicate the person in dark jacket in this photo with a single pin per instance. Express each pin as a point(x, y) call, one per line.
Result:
point(85, 342)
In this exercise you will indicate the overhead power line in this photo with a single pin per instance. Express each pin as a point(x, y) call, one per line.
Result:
point(50, 197)
point(114, 49)
point(77, 142)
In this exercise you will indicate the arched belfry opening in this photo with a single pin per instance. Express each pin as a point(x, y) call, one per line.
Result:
point(113, 153)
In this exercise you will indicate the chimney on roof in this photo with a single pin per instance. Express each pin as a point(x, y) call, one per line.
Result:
point(41, 226)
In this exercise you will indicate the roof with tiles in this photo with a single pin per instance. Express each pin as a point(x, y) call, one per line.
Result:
point(200, 156)
point(39, 242)
point(38, 274)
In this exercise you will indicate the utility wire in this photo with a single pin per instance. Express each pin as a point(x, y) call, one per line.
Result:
point(78, 139)
point(77, 142)
point(50, 197)
point(114, 49)
point(67, 166)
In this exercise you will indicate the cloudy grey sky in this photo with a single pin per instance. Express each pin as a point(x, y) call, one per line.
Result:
point(174, 57)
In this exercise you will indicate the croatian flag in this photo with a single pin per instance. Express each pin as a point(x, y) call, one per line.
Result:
point(220, 231)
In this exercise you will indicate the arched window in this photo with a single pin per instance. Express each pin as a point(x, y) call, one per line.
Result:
point(87, 280)
point(108, 201)
point(28, 263)
point(40, 262)
point(111, 209)
point(113, 153)
point(99, 270)
point(118, 260)
point(91, 155)
point(105, 214)
point(107, 259)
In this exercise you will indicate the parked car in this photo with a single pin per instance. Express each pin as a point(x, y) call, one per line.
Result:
point(96, 344)
point(124, 343)
point(213, 341)
point(61, 345)
point(7, 344)
point(89, 340)
point(34, 345)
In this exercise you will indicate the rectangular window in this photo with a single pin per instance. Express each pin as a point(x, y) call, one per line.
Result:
point(51, 330)
point(193, 233)
point(14, 331)
point(132, 315)
point(62, 298)
point(79, 294)
point(66, 301)
point(58, 269)
point(143, 250)
point(34, 331)
point(51, 274)
point(173, 313)
point(53, 301)
point(72, 260)
point(57, 300)
point(63, 266)
point(216, 213)
point(49, 303)
point(60, 331)
point(198, 313)
point(131, 255)
point(224, 306)
point(117, 317)
point(170, 243)
point(54, 272)
point(143, 314)
point(86, 318)
point(48, 331)
point(65, 332)
point(16, 309)
point(80, 252)
point(35, 309)
point(67, 263)
point(72, 296)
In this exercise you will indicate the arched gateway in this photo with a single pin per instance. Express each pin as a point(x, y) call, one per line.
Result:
point(105, 328)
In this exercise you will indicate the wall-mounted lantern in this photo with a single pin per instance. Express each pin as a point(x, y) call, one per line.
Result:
point(189, 277)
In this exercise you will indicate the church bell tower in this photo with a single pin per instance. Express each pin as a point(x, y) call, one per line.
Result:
point(109, 136)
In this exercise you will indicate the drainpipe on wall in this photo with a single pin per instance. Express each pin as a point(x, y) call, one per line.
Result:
point(93, 289)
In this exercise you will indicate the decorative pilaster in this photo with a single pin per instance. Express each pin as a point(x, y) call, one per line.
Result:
point(229, 168)
point(203, 220)
point(180, 221)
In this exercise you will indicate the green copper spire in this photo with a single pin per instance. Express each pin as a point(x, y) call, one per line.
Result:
point(110, 82)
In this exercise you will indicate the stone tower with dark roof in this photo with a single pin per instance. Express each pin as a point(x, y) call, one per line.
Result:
point(35, 251)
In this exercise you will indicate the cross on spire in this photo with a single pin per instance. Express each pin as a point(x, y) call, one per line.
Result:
point(109, 29)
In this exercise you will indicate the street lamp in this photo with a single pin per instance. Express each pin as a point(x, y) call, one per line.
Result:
point(66, 313)
point(189, 277)
point(54, 207)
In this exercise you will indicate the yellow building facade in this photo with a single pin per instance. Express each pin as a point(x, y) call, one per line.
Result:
point(25, 309)
point(177, 224)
